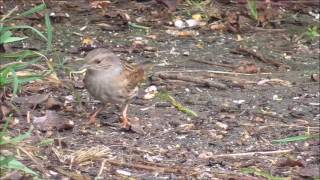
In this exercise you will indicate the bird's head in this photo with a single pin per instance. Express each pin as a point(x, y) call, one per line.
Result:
point(100, 59)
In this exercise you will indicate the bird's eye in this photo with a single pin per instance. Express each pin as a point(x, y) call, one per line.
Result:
point(97, 61)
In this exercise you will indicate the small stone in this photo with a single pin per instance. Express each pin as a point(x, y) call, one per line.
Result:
point(222, 125)
point(123, 172)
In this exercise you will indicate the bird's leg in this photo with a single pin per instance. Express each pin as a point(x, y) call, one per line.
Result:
point(125, 121)
point(92, 119)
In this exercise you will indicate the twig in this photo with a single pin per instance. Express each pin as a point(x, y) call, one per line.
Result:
point(203, 82)
point(259, 56)
point(72, 175)
point(237, 79)
point(9, 14)
point(269, 30)
point(40, 67)
point(158, 168)
point(56, 152)
point(102, 167)
point(8, 175)
point(252, 153)
point(212, 63)
point(214, 72)
point(39, 165)
point(313, 128)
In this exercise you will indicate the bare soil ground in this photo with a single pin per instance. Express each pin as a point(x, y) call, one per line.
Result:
point(232, 137)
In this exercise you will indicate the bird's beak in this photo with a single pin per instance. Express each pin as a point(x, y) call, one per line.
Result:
point(82, 70)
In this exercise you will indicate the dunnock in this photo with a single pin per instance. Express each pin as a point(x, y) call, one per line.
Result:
point(109, 80)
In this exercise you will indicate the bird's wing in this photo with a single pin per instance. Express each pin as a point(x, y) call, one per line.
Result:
point(134, 75)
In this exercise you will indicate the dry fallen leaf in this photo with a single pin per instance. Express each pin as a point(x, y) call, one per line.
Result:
point(53, 103)
point(100, 4)
point(53, 78)
point(218, 27)
point(315, 77)
point(249, 68)
point(135, 126)
point(51, 120)
point(170, 4)
point(274, 82)
point(87, 41)
point(4, 111)
point(33, 99)
point(182, 33)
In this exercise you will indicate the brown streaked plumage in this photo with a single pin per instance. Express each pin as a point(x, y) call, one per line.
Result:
point(109, 80)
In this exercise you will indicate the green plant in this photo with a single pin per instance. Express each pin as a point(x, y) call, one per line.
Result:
point(8, 75)
point(252, 6)
point(176, 104)
point(313, 32)
point(259, 172)
point(200, 7)
point(6, 36)
point(10, 72)
point(9, 162)
point(296, 138)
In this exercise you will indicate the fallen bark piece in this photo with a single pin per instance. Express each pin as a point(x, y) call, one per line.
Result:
point(203, 82)
point(51, 121)
point(153, 167)
point(252, 153)
point(260, 57)
point(33, 99)
point(274, 81)
point(315, 77)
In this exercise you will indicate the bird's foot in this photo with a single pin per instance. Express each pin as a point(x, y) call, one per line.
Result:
point(92, 120)
point(125, 123)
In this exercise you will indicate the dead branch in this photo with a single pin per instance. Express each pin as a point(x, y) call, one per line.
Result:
point(259, 56)
point(35, 160)
point(158, 168)
point(72, 175)
point(102, 167)
point(196, 80)
point(213, 72)
point(230, 78)
point(268, 30)
point(252, 153)
point(214, 64)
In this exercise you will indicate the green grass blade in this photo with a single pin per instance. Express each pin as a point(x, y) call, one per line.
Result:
point(4, 132)
point(252, 6)
point(15, 83)
point(21, 79)
point(6, 79)
point(19, 66)
point(4, 76)
point(25, 79)
point(12, 163)
point(296, 138)
point(261, 173)
point(26, 27)
point(34, 10)
point(4, 36)
point(11, 39)
point(18, 138)
point(8, 15)
point(137, 26)
point(20, 54)
point(46, 142)
point(49, 32)
point(176, 104)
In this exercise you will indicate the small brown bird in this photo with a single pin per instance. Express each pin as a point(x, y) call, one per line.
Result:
point(109, 80)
